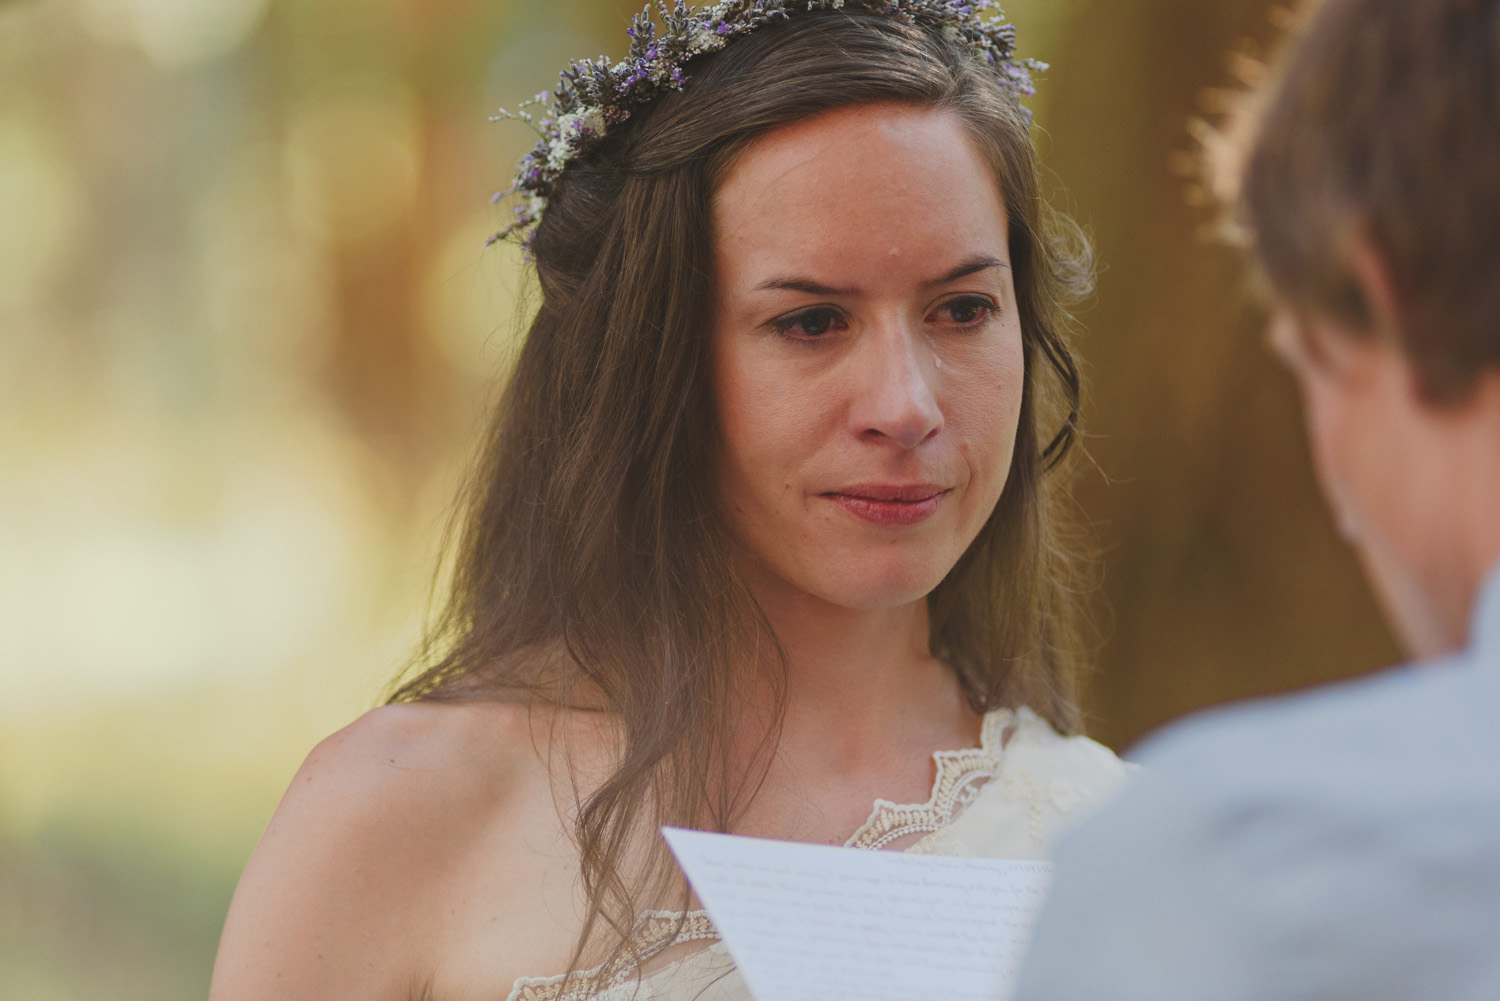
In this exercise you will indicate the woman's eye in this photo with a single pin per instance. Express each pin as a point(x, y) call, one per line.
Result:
point(810, 323)
point(967, 311)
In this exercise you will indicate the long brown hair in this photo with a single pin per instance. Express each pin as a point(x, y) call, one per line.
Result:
point(592, 556)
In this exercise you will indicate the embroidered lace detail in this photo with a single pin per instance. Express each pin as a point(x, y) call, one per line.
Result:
point(656, 931)
point(960, 776)
point(943, 842)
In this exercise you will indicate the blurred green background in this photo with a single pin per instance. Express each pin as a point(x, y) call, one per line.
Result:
point(247, 332)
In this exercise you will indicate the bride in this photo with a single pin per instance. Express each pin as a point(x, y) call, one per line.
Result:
point(762, 539)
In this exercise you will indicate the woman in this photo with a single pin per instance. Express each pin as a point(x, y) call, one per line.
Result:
point(760, 537)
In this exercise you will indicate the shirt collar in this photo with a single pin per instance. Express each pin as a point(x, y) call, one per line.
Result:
point(1486, 630)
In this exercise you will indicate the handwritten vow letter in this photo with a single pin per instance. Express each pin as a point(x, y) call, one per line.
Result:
point(817, 923)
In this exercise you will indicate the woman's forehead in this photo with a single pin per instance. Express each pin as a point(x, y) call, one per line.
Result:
point(856, 186)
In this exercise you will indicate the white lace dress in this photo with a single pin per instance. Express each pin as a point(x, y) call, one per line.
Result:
point(1007, 798)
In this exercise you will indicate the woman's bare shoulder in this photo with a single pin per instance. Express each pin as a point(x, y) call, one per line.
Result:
point(386, 827)
point(400, 769)
point(427, 749)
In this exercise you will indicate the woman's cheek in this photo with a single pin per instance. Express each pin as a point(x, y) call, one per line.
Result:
point(986, 412)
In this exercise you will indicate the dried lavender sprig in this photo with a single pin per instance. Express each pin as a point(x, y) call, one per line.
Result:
point(594, 95)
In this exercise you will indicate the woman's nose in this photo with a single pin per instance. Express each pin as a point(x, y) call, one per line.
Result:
point(895, 394)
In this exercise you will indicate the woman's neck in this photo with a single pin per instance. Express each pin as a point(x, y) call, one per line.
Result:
point(866, 706)
point(860, 683)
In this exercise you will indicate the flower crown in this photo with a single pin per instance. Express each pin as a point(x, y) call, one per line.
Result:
point(594, 96)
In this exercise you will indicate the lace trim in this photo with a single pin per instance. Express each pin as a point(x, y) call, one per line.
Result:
point(960, 776)
point(655, 931)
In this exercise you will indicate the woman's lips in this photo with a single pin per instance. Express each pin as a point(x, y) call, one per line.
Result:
point(890, 504)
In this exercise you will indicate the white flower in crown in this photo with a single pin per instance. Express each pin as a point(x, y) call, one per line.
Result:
point(585, 123)
point(592, 119)
point(702, 39)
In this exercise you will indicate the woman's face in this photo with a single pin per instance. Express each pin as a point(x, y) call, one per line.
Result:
point(867, 353)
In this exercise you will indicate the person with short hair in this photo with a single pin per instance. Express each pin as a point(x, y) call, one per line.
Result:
point(1344, 843)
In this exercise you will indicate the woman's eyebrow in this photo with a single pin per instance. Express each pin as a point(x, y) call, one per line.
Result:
point(970, 267)
point(791, 283)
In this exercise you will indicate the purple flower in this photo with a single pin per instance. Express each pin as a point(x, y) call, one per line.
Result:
point(613, 91)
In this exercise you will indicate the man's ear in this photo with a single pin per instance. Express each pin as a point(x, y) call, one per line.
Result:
point(1386, 343)
point(1373, 278)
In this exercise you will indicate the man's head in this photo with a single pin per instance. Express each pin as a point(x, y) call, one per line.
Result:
point(1369, 182)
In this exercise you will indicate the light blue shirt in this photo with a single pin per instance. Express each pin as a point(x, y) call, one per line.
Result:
point(1338, 845)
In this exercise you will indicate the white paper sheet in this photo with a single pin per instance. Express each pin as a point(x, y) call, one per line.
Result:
point(818, 923)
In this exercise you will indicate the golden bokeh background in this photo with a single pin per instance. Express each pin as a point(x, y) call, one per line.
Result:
point(248, 329)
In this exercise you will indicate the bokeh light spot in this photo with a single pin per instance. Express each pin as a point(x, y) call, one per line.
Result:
point(177, 33)
point(39, 201)
point(353, 156)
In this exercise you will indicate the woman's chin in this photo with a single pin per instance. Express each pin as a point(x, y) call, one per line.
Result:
point(851, 575)
point(867, 587)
